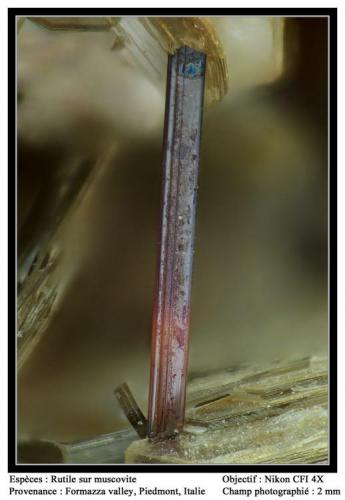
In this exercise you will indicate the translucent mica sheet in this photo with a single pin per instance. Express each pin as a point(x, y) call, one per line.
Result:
point(103, 449)
point(145, 42)
point(149, 39)
point(249, 48)
point(252, 415)
point(72, 23)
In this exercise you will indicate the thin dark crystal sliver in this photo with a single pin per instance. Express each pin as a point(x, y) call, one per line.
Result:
point(131, 409)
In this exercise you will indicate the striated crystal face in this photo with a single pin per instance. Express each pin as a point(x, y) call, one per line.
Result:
point(170, 329)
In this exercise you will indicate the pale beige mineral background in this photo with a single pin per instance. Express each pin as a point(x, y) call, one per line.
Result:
point(260, 275)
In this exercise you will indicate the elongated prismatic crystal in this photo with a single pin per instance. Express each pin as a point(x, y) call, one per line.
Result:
point(171, 309)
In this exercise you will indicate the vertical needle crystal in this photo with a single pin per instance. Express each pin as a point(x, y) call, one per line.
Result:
point(170, 326)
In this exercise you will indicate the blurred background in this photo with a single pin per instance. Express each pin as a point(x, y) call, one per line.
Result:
point(260, 269)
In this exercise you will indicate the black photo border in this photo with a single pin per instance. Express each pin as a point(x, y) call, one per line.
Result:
point(332, 92)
